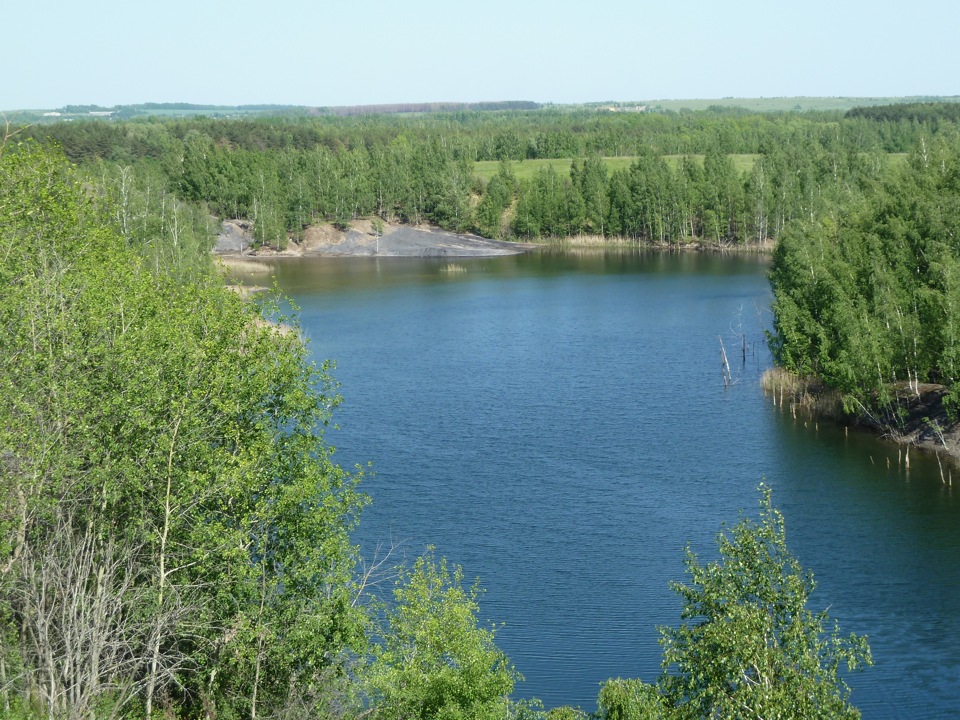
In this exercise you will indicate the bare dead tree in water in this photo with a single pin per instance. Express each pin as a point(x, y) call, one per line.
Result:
point(725, 365)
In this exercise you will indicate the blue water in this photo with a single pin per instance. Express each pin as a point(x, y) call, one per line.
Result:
point(558, 425)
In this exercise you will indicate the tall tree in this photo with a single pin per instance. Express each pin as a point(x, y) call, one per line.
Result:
point(590, 180)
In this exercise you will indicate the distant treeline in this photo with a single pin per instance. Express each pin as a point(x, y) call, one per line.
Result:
point(284, 173)
point(162, 107)
point(910, 112)
point(389, 109)
point(496, 135)
point(143, 110)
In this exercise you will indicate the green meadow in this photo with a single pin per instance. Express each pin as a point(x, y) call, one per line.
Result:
point(527, 169)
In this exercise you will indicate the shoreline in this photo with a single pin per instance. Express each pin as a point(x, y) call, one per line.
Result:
point(366, 237)
point(924, 425)
point(600, 242)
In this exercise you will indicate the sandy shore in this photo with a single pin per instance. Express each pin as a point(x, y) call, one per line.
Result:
point(236, 239)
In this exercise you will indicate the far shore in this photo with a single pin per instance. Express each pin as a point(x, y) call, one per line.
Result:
point(365, 237)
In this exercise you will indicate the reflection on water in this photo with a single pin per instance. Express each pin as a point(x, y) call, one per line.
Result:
point(557, 424)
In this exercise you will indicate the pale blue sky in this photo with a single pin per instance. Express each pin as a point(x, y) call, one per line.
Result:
point(299, 52)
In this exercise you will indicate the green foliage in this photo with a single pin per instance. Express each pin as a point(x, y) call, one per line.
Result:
point(629, 700)
point(923, 112)
point(566, 713)
point(868, 298)
point(748, 645)
point(434, 660)
point(497, 197)
point(173, 237)
point(157, 435)
point(590, 180)
point(550, 206)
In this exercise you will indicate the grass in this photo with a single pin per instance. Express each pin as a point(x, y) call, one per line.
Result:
point(527, 169)
point(238, 265)
point(453, 268)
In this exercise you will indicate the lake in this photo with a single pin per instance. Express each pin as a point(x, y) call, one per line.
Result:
point(558, 424)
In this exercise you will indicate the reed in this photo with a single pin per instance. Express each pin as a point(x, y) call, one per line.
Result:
point(804, 394)
point(234, 264)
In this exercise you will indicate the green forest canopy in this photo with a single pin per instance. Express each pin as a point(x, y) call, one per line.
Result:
point(721, 176)
point(716, 176)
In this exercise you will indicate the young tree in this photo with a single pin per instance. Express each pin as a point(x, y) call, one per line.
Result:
point(749, 646)
point(434, 660)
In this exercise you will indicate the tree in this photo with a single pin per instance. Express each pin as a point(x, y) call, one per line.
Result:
point(629, 700)
point(748, 646)
point(434, 660)
point(723, 191)
point(497, 197)
point(377, 226)
point(173, 528)
point(590, 180)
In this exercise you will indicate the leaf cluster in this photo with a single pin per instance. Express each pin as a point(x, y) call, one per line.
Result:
point(748, 645)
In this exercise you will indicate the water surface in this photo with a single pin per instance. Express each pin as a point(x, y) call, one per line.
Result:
point(558, 425)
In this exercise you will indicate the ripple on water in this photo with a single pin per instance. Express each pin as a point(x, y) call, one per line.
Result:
point(562, 431)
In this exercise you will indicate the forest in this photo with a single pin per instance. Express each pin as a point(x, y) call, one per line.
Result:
point(175, 531)
point(679, 187)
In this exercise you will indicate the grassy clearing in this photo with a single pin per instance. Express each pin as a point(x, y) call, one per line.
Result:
point(523, 169)
point(527, 169)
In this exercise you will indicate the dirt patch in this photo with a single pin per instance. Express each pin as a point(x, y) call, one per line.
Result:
point(361, 239)
point(317, 236)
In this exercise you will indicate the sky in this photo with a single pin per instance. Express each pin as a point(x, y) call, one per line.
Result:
point(355, 52)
